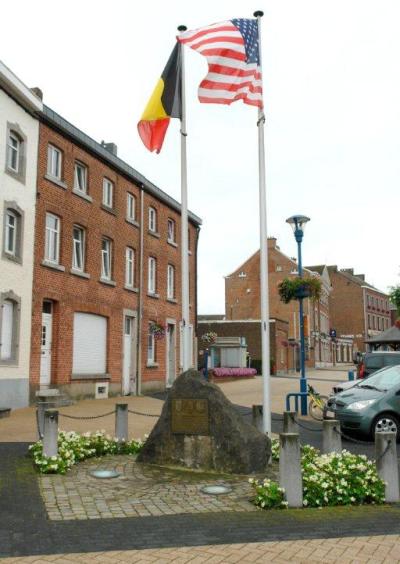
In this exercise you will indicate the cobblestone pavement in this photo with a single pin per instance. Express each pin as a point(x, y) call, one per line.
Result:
point(141, 490)
point(356, 550)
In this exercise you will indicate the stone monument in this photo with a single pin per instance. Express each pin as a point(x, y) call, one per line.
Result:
point(200, 428)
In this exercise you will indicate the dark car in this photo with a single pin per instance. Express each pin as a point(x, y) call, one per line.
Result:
point(373, 361)
point(370, 405)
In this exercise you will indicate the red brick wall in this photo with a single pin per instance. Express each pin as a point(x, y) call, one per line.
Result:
point(72, 293)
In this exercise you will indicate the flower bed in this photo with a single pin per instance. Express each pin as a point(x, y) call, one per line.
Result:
point(328, 479)
point(233, 372)
point(73, 448)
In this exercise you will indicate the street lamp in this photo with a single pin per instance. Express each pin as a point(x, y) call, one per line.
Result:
point(298, 222)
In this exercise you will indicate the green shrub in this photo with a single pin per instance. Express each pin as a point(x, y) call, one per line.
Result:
point(73, 447)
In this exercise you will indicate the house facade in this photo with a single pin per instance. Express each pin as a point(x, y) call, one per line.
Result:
point(107, 270)
point(242, 301)
point(19, 133)
point(358, 309)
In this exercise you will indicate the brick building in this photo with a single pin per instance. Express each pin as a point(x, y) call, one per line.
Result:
point(107, 267)
point(242, 302)
point(19, 134)
point(251, 331)
point(358, 310)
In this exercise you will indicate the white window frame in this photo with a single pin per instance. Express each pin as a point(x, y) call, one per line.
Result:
point(152, 275)
point(151, 347)
point(8, 228)
point(129, 267)
point(52, 240)
point(54, 161)
point(170, 282)
point(13, 151)
point(171, 230)
point(131, 206)
point(78, 248)
point(152, 219)
point(106, 258)
point(84, 176)
point(108, 193)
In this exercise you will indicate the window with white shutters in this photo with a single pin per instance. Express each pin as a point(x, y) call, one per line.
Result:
point(6, 330)
point(170, 282)
point(152, 276)
point(89, 344)
point(129, 267)
point(52, 244)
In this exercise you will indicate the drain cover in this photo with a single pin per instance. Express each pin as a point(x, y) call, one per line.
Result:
point(105, 474)
point(216, 489)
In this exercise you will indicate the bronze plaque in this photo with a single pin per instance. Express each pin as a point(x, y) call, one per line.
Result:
point(190, 417)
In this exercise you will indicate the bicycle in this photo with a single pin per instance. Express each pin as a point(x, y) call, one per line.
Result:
point(317, 405)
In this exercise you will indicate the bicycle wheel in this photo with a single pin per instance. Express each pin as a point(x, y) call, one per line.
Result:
point(316, 409)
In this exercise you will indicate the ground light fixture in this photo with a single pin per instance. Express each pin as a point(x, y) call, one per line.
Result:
point(298, 223)
point(216, 489)
point(104, 473)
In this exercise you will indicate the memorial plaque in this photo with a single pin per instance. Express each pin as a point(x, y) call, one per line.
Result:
point(190, 417)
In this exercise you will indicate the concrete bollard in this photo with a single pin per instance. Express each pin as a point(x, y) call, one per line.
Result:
point(331, 438)
point(290, 424)
point(257, 417)
point(121, 421)
point(290, 469)
point(50, 438)
point(350, 375)
point(386, 465)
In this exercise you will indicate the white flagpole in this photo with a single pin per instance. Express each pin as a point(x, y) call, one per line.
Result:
point(265, 338)
point(185, 343)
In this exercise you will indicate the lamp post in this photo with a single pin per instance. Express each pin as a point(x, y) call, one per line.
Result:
point(297, 222)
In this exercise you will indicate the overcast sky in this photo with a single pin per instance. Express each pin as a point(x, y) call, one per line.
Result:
point(332, 96)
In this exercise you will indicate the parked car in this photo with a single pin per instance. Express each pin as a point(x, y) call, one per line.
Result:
point(369, 405)
point(373, 361)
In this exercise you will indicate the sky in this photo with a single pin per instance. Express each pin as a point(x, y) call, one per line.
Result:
point(331, 91)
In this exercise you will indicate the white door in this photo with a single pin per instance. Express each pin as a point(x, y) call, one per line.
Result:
point(128, 370)
point(171, 355)
point(45, 359)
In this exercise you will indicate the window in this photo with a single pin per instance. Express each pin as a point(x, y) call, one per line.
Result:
point(131, 207)
point(170, 282)
point(108, 189)
point(78, 251)
point(11, 223)
point(13, 151)
point(151, 351)
point(80, 178)
point(129, 267)
point(54, 162)
point(171, 230)
point(152, 275)
point(106, 247)
point(152, 220)
point(89, 356)
point(9, 327)
point(52, 245)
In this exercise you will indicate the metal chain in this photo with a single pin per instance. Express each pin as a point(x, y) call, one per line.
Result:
point(144, 414)
point(384, 452)
point(351, 439)
point(308, 428)
point(276, 418)
point(88, 417)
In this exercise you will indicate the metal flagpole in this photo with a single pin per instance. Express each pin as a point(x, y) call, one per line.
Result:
point(185, 342)
point(265, 338)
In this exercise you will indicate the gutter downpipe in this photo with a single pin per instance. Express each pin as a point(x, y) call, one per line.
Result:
point(196, 289)
point(140, 312)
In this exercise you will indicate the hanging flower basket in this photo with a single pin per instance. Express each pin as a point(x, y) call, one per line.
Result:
point(209, 338)
point(157, 330)
point(299, 288)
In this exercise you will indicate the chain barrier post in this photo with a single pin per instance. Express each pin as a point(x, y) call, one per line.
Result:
point(290, 469)
point(121, 421)
point(290, 422)
point(257, 417)
point(331, 437)
point(386, 463)
point(50, 435)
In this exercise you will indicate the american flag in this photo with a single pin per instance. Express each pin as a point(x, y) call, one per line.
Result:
point(232, 52)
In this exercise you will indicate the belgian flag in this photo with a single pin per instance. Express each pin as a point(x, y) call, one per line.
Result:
point(165, 103)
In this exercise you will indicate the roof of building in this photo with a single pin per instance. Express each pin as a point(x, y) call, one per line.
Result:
point(53, 119)
point(11, 84)
point(358, 279)
point(391, 335)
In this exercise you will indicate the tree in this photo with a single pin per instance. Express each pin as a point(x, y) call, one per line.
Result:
point(394, 297)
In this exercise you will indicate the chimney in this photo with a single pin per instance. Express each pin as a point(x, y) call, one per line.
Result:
point(360, 276)
point(37, 92)
point(272, 242)
point(110, 147)
point(348, 270)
